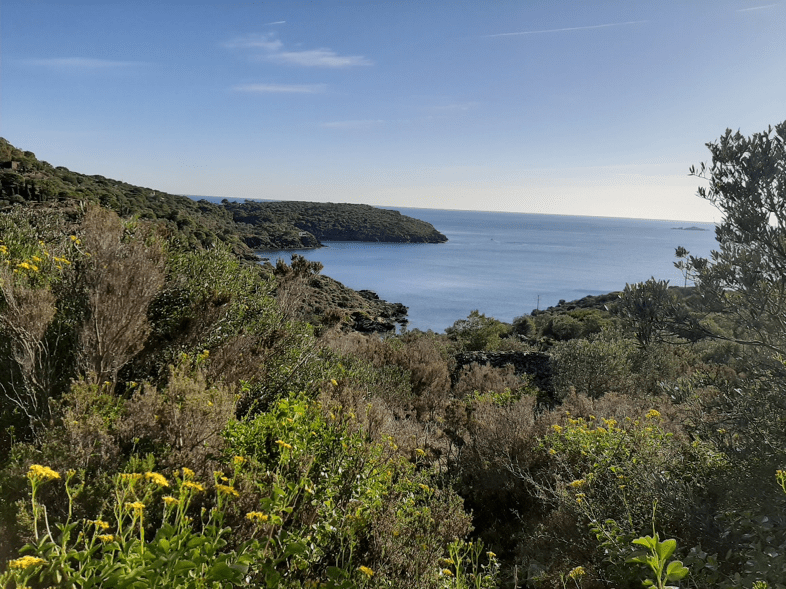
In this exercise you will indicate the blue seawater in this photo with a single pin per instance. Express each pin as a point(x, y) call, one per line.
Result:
point(507, 264)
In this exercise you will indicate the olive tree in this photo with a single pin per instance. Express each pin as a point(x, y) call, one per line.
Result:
point(746, 276)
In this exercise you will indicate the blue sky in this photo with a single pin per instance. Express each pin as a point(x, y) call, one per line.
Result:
point(573, 107)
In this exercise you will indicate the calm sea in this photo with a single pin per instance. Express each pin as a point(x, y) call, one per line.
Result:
point(507, 264)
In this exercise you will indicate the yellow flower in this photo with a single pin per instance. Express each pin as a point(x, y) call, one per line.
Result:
point(105, 538)
point(100, 524)
point(447, 572)
point(170, 501)
point(366, 571)
point(192, 485)
point(257, 516)
point(188, 473)
point(130, 476)
point(334, 382)
point(653, 414)
point(227, 490)
point(420, 452)
point(577, 573)
point(283, 444)
point(41, 473)
point(557, 428)
point(158, 479)
point(137, 506)
point(491, 555)
point(238, 460)
point(25, 562)
point(3, 250)
point(577, 483)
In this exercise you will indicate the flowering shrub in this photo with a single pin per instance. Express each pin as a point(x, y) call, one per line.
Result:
point(608, 474)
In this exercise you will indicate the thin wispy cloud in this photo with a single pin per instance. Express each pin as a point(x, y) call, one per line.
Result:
point(586, 28)
point(81, 63)
point(281, 88)
point(353, 125)
point(262, 41)
point(278, 22)
point(272, 49)
point(756, 8)
point(319, 58)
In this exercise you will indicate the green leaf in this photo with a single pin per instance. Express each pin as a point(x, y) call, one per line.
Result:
point(646, 541)
point(221, 571)
point(295, 548)
point(676, 571)
point(665, 549)
point(183, 566)
point(336, 574)
point(273, 578)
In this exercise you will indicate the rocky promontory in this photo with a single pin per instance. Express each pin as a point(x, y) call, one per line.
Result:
point(302, 225)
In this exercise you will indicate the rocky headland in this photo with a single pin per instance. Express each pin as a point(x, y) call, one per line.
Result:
point(303, 225)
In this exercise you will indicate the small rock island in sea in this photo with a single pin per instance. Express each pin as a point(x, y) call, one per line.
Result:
point(303, 225)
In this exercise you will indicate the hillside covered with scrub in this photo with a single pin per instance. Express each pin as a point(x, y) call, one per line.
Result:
point(243, 227)
point(172, 415)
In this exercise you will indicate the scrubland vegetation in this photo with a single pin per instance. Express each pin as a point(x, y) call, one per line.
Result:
point(171, 416)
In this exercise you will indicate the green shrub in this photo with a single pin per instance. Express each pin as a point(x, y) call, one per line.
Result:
point(594, 366)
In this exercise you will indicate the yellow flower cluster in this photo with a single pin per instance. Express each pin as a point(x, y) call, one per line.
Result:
point(653, 414)
point(106, 538)
point(158, 479)
point(282, 444)
point(257, 516)
point(577, 573)
point(366, 571)
point(192, 485)
point(187, 473)
point(137, 506)
point(26, 266)
point(100, 524)
point(41, 473)
point(577, 483)
point(238, 460)
point(227, 490)
point(25, 562)
point(170, 501)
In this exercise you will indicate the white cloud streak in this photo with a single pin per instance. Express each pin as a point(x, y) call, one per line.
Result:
point(539, 32)
point(319, 58)
point(264, 41)
point(273, 50)
point(281, 88)
point(756, 8)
